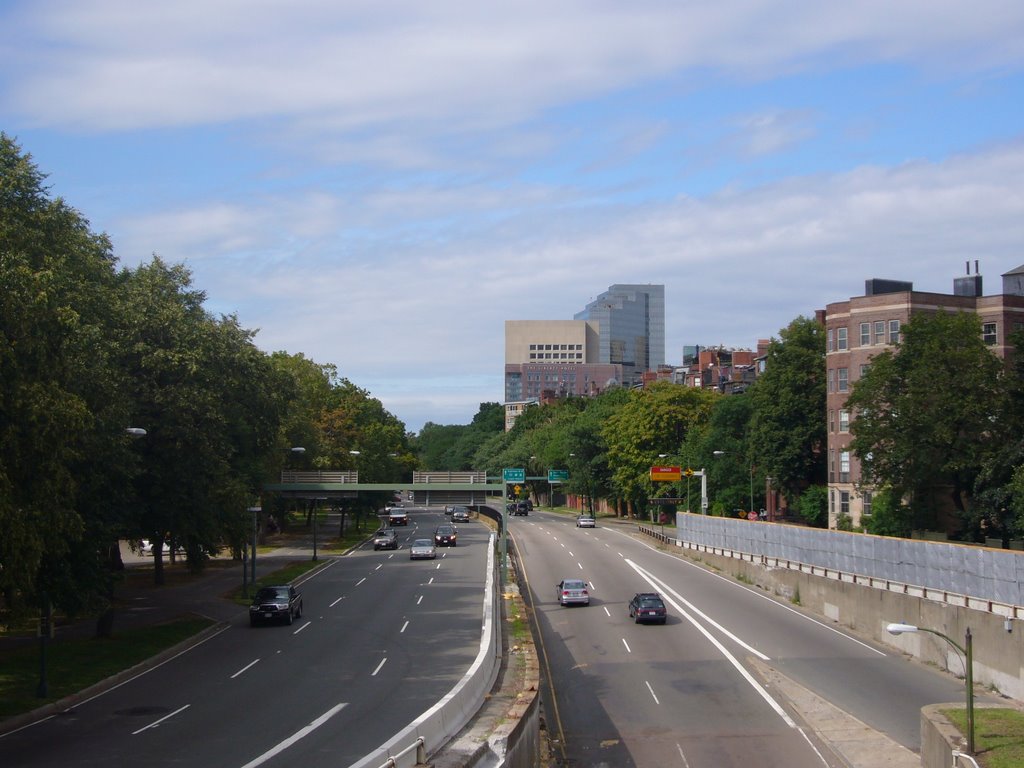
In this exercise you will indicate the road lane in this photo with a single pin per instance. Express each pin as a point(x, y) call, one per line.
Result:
point(382, 638)
point(682, 694)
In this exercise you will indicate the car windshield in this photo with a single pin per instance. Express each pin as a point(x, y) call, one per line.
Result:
point(272, 593)
point(444, 530)
point(651, 602)
point(573, 584)
point(423, 543)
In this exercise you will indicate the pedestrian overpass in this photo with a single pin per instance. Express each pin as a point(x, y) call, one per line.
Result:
point(443, 487)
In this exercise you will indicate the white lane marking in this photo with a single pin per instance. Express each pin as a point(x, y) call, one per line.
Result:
point(754, 592)
point(652, 693)
point(382, 663)
point(360, 581)
point(403, 627)
point(302, 732)
point(579, 566)
point(431, 581)
point(337, 601)
point(250, 664)
point(721, 648)
point(302, 627)
point(682, 757)
point(628, 649)
point(379, 566)
point(665, 588)
point(593, 587)
point(437, 567)
point(563, 547)
point(420, 600)
point(156, 723)
point(607, 611)
point(571, 554)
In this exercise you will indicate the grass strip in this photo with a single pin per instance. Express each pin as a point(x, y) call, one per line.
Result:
point(74, 664)
point(998, 735)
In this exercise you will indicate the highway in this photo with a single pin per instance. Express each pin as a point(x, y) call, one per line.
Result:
point(687, 694)
point(381, 639)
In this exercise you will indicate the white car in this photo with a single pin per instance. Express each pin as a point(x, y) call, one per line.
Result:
point(146, 548)
point(422, 549)
point(573, 592)
point(586, 521)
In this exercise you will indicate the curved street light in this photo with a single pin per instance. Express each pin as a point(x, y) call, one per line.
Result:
point(967, 651)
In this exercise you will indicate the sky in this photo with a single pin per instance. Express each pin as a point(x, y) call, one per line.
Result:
point(380, 184)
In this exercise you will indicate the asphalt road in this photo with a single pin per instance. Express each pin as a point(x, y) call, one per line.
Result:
point(689, 694)
point(382, 638)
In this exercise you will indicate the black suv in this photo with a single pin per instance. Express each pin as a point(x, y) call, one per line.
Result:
point(280, 603)
point(647, 607)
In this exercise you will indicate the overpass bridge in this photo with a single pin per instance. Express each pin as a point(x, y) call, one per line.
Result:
point(468, 488)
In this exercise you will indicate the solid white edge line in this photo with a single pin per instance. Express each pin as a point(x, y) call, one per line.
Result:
point(301, 733)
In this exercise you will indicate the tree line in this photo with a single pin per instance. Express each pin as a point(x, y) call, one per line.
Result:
point(128, 411)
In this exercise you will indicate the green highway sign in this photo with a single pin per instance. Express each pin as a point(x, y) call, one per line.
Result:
point(514, 475)
point(558, 475)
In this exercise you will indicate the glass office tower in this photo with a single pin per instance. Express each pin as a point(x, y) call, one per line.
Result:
point(632, 327)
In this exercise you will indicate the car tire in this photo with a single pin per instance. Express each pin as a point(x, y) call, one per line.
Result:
point(299, 614)
point(289, 619)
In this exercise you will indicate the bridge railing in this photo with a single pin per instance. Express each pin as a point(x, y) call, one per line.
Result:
point(320, 476)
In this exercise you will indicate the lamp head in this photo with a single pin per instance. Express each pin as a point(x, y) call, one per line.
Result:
point(899, 629)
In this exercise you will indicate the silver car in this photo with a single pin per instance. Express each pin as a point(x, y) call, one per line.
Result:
point(585, 521)
point(422, 549)
point(573, 592)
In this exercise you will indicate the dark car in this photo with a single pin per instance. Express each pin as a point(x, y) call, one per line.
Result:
point(385, 538)
point(276, 604)
point(397, 516)
point(647, 607)
point(519, 508)
point(445, 536)
point(460, 515)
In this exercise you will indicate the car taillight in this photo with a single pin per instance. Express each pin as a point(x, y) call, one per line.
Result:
point(565, 593)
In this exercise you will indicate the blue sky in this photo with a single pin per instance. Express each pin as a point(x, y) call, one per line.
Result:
point(380, 185)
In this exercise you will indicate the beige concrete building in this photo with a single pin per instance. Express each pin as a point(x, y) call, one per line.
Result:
point(551, 341)
point(859, 328)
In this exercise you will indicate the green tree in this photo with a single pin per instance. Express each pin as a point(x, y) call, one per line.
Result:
point(63, 447)
point(787, 433)
point(813, 506)
point(653, 421)
point(925, 412)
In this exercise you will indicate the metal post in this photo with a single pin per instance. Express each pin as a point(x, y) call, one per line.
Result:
point(969, 682)
point(45, 617)
point(751, 489)
point(255, 539)
point(245, 571)
point(314, 529)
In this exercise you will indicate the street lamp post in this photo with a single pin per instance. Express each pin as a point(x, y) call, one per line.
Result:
point(968, 653)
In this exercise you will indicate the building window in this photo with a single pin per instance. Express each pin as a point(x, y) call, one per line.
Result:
point(844, 503)
point(879, 331)
point(831, 465)
point(843, 379)
point(831, 340)
point(894, 331)
point(865, 334)
point(831, 420)
point(831, 380)
point(864, 369)
point(988, 333)
point(844, 467)
point(841, 340)
point(866, 510)
point(844, 420)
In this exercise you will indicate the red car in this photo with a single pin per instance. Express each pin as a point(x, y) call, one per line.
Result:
point(647, 607)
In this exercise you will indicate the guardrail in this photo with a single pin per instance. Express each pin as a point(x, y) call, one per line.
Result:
point(319, 476)
point(927, 593)
point(435, 727)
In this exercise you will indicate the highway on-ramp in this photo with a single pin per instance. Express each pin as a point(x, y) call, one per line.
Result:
point(382, 638)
